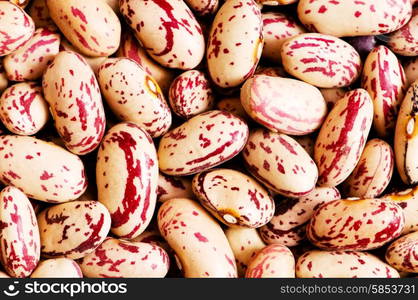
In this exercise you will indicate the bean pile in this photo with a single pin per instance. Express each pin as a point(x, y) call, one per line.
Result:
point(209, 138)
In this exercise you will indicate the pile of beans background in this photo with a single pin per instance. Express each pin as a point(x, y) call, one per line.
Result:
point(197, 138)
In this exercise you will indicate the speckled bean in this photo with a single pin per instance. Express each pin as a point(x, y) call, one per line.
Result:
point(321, 60)
point(19, 234)
point(235, 43)
point(245, 244)
point(91, 26)
point(23, 109)
point(49, 173)
point(126, 177)
point(203, 7)
point(30, 61)
point(280, 163)
point(273, 261)
point(354, 18)
point(16, 27)
point(190, 94)
point(340, 264)
point(283, 105)
point(167, 30)
point(72, 91)
point(404, 41)
point(373, 171)
point(120, 258)
point(277, 28)
point(384, 79)
point(402, 254)
point(193, 234)
point(73, 229)
point(233, 198)
point(201, 143)
point(342, 137)
point(133, 95)
point(355, 224)
point(57, 268)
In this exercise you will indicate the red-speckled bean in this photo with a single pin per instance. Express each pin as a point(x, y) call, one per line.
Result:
point(402, 254)
point(384, 79)
point(194, 235)
point(203, 7)
point(404, 41)
point(19, 234)
point(340, 264)
point(354, 18)
point(233, 198)
point(280, 163)
point(91, 26)
point(190, 94)
point(130, 48)
point(134, 96)
point(126, 176)
point(235, 43)
point(408, 201)
point(373, 171)
point(321, 60)
point(276, 2)
point(201, 143)
point(73, 229)
point(245, 244)
point(30, 61)
point(72, 91)
point(355, 224)
point(57, 268)
point(23, 109)
point(16, 27)
point(342, 137)
point(273, 261)
point(173, 187)
point(406, 137)
point(120, 258)
point(277, 28)
point(288, 226)
point(42, 170)
point(283, 105)
point(167, 30)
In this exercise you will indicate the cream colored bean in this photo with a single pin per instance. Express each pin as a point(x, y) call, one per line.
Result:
point(42, 170)
point(233, 198)
point(73, 229)
point(19, 234)
point(245, 244)
point(126, 177)
point(23, 109)
point(134, 96)
point(340, 264)
point(235, 43)
point(273, 261)
point(57, 268)
point(193, 234)
point(120, 258)
point(91, 26)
